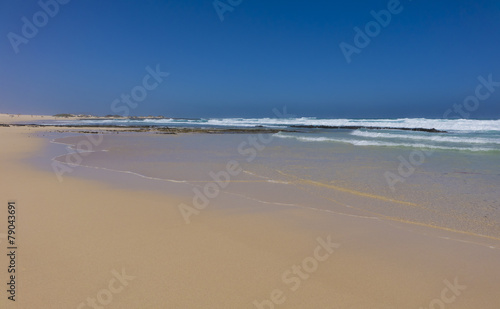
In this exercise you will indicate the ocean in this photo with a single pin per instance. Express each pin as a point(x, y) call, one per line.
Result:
point(454, 134)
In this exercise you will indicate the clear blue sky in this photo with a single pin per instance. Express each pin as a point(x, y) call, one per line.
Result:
point(263, 55)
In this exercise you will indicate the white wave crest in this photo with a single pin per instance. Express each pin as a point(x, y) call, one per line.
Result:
point(431, 137)
point(459, 125)
point(358, 142)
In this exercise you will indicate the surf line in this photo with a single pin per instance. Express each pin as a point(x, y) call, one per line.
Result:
point(386, 218)
point(383, 198)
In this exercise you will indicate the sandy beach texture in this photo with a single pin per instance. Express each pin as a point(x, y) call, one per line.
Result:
point(91, 244)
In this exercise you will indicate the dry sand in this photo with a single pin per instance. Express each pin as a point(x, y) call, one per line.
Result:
point(12, 118)
point(75, 236)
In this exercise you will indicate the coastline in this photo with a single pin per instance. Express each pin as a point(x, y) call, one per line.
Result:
point(76, 233)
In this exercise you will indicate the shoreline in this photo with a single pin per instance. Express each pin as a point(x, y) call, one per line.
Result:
point(76, 233)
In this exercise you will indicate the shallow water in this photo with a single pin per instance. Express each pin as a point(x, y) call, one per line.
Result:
point(447, 189)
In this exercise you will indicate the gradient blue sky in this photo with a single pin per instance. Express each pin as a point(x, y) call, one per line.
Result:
point(264, 55)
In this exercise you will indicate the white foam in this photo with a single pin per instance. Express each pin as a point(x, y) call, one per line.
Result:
point(460, 125)
point(358, 142)
point(439, 124)
point(429, 137)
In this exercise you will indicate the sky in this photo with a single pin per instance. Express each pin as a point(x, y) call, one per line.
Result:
point(244, 58)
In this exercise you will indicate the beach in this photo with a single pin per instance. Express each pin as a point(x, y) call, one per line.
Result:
point(250, 154)
point(104, 237)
